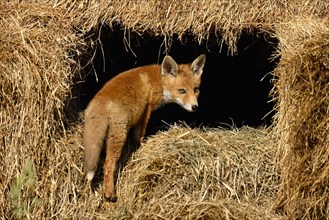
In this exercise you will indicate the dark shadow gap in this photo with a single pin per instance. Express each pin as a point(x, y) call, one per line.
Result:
point(234, 90)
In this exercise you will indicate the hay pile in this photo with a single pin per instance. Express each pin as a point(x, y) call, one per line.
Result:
point(227, 19)
point(303, 91)
point(41, 46)
point(195, 174)
point(37, 66)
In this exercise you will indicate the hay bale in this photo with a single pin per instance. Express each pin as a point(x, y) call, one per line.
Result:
point(303, 119)
point(36, 71)
point(195, 174)
point(201, 19)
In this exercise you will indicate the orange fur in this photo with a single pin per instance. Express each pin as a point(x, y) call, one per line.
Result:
point(126, 102)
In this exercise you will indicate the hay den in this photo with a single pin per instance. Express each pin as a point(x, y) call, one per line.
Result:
point(235, 88)
point(262, 154)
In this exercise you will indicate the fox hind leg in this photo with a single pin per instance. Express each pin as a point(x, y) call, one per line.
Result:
point(114, 145)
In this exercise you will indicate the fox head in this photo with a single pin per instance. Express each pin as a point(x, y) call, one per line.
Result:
point(181, 83)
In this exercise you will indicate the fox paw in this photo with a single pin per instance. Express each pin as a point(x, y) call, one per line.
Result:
point(111, 197)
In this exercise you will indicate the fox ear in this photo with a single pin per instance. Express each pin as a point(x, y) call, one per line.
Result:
point(198, 64)
point(169, 66)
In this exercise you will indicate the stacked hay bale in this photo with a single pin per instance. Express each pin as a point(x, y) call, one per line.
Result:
point(201, 174)
point(303, 119)
point(184, 174)
point(37, 66)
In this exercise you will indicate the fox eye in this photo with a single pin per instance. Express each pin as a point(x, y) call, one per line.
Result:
point(181, 91)
point(196, 89)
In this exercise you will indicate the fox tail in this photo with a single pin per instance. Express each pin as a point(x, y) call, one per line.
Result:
point(95, 129)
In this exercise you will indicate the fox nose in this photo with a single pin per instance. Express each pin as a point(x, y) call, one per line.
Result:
point(194, 107)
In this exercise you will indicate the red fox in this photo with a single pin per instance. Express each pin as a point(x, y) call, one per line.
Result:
point(126, 101)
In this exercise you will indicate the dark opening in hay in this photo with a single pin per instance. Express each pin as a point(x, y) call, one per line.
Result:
point(235, 89)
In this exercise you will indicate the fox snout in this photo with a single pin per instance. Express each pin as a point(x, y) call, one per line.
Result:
point(192, 108)
point(189, 107)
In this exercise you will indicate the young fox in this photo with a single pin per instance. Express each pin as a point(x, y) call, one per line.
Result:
point(126, 102)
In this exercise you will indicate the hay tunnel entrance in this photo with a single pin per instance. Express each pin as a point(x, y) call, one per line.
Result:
point(234, 90)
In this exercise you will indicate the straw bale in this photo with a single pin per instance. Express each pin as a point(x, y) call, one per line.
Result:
point(36, 68)
point(303, 119)
point(201, 19)
point(193, 174)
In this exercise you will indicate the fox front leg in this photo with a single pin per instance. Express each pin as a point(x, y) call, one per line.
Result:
point(140, 128)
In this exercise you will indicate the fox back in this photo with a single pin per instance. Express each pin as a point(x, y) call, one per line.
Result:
point(125, 103)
